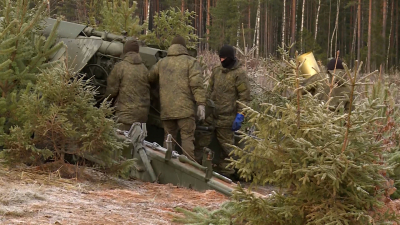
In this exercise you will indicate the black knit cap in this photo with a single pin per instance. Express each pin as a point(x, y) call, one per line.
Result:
point(332, 62)
point(178, 39)
point(227, 51)
point(131, 46)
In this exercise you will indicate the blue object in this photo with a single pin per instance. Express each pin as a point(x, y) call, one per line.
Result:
point(237, 123)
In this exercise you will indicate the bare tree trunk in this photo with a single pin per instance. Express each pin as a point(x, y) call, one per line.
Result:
point(359, 31)
point(256, 40)
point(390, 36)
point(384, 10)
point(158, 6)
point(335, 29)
point(201, 23)
point(237, 36)
point(316, 21)
point(396, 60)
point(208, 22)
point(343, 43)
point(353, 43)
point(258, 28)
point(369, 37)
point(147, 15)
point(329, 27)
point(283, 25)
point(249, 24)
point(183, 6)
point(293, 26)
point(384, 22)
point(275, 36)
point(48, 7)
point(266, 31)
point(238, 32)
point(196, 19)
point(144, 10)
point(337, 26)
point(244, 48)
point(302, 26)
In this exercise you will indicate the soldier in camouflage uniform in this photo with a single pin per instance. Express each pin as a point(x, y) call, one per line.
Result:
point(228, 84)
point(181, 89)
point(340, 92)
point(338, 96)
point(128, 84)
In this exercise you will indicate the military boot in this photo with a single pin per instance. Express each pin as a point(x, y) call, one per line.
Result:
point(223, 169)
point(198, 156)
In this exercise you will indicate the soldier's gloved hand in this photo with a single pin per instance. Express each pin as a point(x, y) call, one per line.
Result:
point(201, 112)
point(237, 123)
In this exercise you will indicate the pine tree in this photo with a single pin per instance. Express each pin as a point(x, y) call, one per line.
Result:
point(329, 166)
point(118, 17)
point(59, 118)
point(94, 7)
point(66, 9)
point(388, 131)
point(46, 111)
point(225, 22)
point(22, 52)
point(309, 44)
point(169, 23)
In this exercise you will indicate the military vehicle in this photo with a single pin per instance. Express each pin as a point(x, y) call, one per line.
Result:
point(94, 53)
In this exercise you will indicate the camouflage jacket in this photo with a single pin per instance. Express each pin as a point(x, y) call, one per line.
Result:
point(340, 94)
point(181, 83)
point(226, 86)
point(319, 84)
point(128, 84)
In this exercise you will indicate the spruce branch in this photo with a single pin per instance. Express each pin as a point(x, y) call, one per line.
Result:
point(332, 85)
point(7, 11)
point(351, 96)
point(296, 70)
point(9, 26)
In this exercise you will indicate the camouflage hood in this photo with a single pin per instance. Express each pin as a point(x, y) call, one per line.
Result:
point(177, 49)
point(132, 58)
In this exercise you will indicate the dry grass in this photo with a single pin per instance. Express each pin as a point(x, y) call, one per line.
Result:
point(34, 196)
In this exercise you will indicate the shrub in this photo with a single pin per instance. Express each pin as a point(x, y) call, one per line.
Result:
point(58, 117)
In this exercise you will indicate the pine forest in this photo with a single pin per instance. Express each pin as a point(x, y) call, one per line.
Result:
point(363, 30)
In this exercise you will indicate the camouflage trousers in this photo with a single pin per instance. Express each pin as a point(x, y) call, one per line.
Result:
point(224, 137)
point(187, 127)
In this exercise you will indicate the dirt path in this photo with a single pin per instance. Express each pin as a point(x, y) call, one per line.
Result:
point(32, 197)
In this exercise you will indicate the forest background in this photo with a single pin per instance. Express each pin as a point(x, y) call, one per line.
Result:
point(363, 30)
